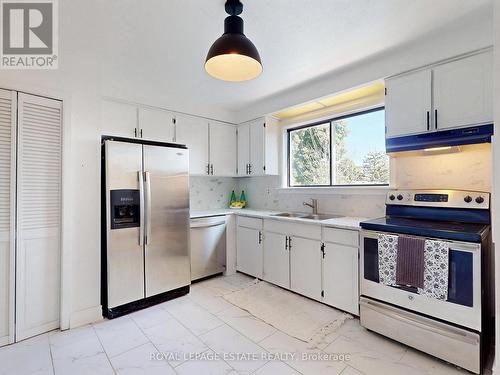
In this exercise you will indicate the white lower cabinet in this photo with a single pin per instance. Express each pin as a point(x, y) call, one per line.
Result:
point(276, 259)
point(319, 263)
point(305, 267)
point(340, 277)
point(249, 257)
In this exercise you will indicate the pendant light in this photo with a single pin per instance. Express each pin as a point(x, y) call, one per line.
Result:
point(233, 57)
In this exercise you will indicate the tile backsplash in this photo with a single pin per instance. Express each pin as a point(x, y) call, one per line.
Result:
point(208, 193)
point(469, 169)
point(264, 193)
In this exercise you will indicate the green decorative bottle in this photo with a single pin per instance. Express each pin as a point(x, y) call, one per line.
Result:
point(243, 198)
point(232, 199)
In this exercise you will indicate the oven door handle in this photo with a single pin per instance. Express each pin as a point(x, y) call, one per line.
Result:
point(409, 319)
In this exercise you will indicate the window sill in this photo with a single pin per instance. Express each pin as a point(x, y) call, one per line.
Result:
point(349, 190)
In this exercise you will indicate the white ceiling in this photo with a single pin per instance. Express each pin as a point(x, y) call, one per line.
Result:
point(158, 46)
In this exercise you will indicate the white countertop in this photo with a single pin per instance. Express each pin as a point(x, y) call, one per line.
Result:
point(346, 222)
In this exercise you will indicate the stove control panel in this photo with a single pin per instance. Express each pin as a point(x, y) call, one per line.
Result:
point(439, 198)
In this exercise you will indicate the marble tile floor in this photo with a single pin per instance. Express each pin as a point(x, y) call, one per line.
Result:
point(202, 333)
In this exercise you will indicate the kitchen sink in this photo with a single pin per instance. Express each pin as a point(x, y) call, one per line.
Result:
point(299, 215)
point(320, 217)
point(290, 214)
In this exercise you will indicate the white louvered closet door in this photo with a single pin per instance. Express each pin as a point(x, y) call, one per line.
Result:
point(7, 213)
point(38, 215)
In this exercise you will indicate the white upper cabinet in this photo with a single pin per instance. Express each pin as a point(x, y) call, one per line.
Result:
point(408, 103)
point(222, 149)
point(258, 147)
point(243, 149)
point(156, 124)
point(463, 92)
point(212, 144)
point(449, 95)
point(119, 119)
point(193, 132)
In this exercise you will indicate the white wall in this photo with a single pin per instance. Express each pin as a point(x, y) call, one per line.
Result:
point(471, 33)
point(79, 82)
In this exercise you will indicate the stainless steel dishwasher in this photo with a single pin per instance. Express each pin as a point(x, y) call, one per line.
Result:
point(208, 246)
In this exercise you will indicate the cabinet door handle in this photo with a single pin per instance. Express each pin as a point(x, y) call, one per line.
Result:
point(286, 243)
point(436, 118)
point(135, 132)
point(260, 237)
point(428, 121)
point(208, 168)
point(211, 169)
point(289, 243)
point(246, 169)
point(141, 133)
point(249, 168)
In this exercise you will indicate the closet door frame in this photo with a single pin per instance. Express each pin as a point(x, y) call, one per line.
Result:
point(12, 231)
point(13, 205)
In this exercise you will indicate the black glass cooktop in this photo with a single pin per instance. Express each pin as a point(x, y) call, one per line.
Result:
point(427, 228)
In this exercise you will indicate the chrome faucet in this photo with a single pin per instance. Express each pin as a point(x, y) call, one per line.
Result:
point(313, 205)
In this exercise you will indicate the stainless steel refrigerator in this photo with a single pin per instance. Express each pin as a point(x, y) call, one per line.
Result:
point(145, 217)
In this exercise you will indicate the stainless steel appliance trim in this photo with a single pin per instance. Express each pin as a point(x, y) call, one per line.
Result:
point(140, 178)
point(148, 207)
point(424, 323)
point(455, 198)
point(167, 261)
point(125, 256)
point(205, 223)
point(455, 345)
point(469, 317)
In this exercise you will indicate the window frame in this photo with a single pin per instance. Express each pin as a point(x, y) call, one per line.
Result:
point(328, 121)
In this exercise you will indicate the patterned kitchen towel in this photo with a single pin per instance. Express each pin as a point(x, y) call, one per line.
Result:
point(436, 261)
point(410, 262)
point(387, 255)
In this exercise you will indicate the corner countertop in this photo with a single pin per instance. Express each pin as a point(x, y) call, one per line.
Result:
point(345, 222)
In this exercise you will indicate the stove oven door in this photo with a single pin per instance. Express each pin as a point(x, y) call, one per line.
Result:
point(463, 306)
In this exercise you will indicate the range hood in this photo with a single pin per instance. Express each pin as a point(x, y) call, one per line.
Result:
point(453, 137)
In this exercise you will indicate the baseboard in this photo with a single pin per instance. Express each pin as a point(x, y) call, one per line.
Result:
point(4, 341)
point(86, 316)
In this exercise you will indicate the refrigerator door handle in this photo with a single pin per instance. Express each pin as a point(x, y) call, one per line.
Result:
point(141, 207)
point(148, 206)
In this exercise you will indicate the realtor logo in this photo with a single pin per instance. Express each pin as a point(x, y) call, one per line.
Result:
point(29, 34)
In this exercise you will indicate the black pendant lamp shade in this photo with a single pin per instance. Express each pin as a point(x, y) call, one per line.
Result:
point(233, 57)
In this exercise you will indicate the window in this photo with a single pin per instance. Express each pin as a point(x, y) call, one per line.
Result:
point(348, 150)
